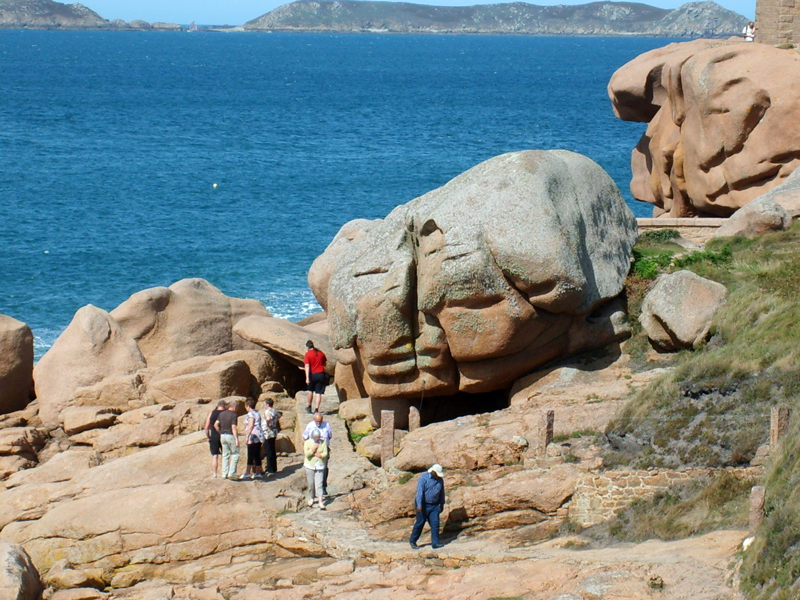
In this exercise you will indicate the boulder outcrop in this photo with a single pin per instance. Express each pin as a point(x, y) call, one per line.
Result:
point(138, 512)
point(284, 338)
point(721, 119)
point(92, 348)
point(758, 217)
point(678, 311)
point(510, 265)
point(16, 364)
point(189, 318)
point(19, 579)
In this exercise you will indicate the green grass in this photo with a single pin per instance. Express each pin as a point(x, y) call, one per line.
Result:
point(357, 437)
point(713, 407)
point(771, 566)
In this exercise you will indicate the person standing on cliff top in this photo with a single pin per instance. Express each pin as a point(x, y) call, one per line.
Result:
point(314, 363)
point(214, 443)
point(749, 32)
point(428, 505)
point(229, 435)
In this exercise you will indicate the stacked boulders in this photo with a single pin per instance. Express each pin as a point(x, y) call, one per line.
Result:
point(135, 377)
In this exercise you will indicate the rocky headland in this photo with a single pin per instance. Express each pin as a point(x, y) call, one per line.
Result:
point(581, 385)
point(694, 19)
point(47, 14)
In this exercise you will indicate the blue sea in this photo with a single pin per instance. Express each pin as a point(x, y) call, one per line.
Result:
point(135, 159)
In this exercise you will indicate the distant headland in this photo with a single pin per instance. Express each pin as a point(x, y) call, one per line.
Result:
point(694, 19)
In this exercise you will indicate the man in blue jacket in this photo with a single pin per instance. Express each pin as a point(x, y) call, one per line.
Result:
point(428, 505)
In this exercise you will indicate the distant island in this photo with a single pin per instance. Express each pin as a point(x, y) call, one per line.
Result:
point(47, 14)
point(695, 19)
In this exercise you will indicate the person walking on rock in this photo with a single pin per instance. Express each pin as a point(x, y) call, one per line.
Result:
point(428, 505)
point(254, 434)
point(214, 443)
point(271, 419)
point(327, 433)
point(314, 363)
point(229, 436)
point(316, 456)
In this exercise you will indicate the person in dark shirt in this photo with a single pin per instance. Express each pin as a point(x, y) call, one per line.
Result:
point(229, 436)
point(428, 505)
point(214, 443)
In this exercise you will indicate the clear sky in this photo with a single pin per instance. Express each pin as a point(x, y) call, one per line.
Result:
point(237, 12)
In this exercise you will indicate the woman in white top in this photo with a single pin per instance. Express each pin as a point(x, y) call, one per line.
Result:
point(254, 434)
point(749, 32)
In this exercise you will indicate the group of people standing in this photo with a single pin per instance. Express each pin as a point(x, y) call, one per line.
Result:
point(260, 433)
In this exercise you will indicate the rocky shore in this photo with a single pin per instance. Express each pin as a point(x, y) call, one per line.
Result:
point(504, 326)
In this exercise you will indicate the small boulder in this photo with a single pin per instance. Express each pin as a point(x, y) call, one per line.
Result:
point(200, 378)
point(63, 576)
point(755, 218)
point(92, 348)
point(19, 579)
point(16, 364)
point(115, 391)
point(678, 311)
point(79, 594)
point(370, 446)
point(75, 419)
point(284, 337)
point(337, 569)
point(21, 441)
point(356, 409)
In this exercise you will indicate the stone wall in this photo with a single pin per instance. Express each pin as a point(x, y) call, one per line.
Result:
point(778, 21)
point(598, 497)
point(698, 230)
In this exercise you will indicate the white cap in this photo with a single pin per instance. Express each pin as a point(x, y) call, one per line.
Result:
point(437, 468)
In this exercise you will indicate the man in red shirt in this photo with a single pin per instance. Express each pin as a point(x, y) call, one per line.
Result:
point(316, 379)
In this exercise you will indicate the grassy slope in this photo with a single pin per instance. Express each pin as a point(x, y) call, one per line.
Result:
point(713, 407)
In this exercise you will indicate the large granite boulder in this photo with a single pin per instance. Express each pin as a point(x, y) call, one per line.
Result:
point(16, 364)
point(93, 347)
point(722, 117)
point(19, 579)
point(189, 318)
point(678, 311)
point(510, 265)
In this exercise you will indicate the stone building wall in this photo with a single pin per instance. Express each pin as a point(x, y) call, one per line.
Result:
point(598, 497)
point(778, 21)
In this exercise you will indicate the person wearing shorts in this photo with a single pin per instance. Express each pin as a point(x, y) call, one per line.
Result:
point(316, 379)
point(214, 442)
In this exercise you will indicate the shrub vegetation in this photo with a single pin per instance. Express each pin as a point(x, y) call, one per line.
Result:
point(713, 408)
